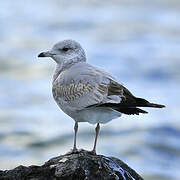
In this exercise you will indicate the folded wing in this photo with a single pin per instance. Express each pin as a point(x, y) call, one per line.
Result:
point(84, 86)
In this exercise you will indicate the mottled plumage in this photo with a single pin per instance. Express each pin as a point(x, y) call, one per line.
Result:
point(80, 86)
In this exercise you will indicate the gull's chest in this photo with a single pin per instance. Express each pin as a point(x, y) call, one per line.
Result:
point(58, 97)
point(59, 82)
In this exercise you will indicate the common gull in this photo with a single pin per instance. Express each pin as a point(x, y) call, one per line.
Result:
point(87, 93)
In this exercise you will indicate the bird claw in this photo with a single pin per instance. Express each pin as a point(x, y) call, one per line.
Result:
point(74, 151)
point(93, 152)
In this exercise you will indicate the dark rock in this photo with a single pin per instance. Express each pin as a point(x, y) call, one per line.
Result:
point(79, 166)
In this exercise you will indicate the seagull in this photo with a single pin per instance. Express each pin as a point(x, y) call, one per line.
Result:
point(87, 93)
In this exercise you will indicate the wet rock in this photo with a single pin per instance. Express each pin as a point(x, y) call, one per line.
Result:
point(79, 166)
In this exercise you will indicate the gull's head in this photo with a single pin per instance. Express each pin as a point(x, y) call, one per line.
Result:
point(64, 51)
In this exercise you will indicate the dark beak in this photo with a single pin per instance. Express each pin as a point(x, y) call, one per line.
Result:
point(46, 54)
point(41, 55)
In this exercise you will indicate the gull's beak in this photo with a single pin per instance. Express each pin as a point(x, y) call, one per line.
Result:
point(46, 54)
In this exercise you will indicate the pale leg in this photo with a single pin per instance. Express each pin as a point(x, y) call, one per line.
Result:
point(75, 135)
point(95, 142)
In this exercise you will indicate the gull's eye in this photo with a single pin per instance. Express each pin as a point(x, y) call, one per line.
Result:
point(65, 49)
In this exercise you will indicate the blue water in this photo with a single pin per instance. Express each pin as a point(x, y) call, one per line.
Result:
point(137, 41)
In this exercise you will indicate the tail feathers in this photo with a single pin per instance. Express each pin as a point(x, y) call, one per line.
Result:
point(155, 105)
point(130, 107)
point(144, 103)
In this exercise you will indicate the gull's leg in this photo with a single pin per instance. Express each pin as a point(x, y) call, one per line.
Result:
point(95, 142)
point(75, 135)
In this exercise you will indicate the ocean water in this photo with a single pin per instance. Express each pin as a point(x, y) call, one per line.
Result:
point(137, 41)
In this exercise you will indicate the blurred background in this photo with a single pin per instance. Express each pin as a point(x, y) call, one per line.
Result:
point(137, 41)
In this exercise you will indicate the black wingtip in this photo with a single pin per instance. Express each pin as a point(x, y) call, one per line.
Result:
point(156, 105)
point(132, 111)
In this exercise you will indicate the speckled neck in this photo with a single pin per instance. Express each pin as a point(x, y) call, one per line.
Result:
point(65, 65)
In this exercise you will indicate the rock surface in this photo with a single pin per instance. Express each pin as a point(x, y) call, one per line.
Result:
point(79, 166)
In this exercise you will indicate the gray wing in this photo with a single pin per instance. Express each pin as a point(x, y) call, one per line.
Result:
point(83, 85)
